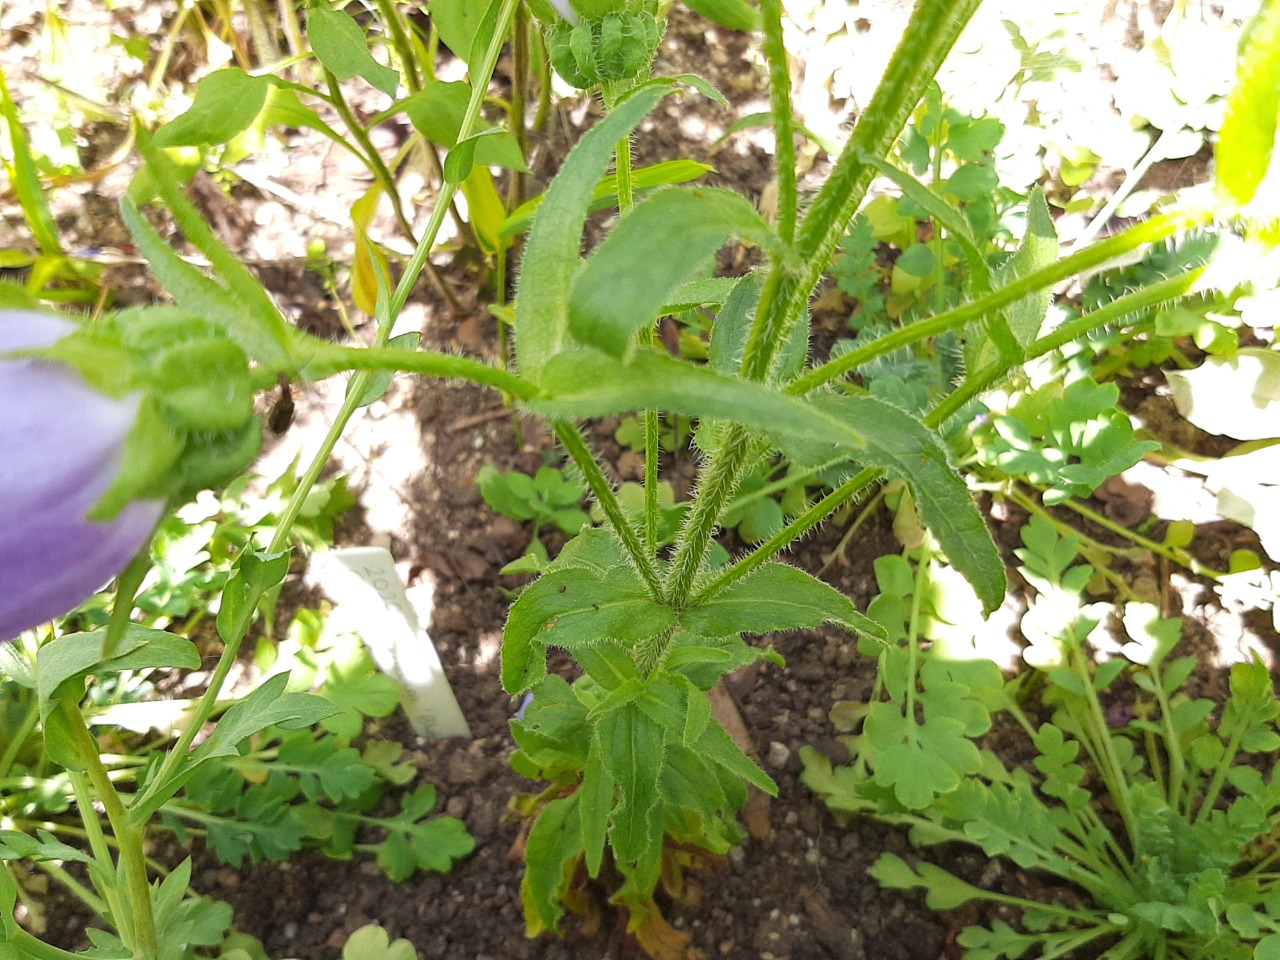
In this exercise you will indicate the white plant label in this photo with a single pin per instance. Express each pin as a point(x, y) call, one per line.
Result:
point(364, 582)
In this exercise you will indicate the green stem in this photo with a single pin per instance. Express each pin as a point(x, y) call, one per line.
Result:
point(784, 124)
point(1220, 773)
point(1150, 231)
point(1173, 743)
point(1136, 302)
point(716, 485)
point(329, 359)
point(26, 946)
point(76, 888)
point(390, 19)
point(1169, 553)
point(127, 586)
point(371, 156)
point(575, 444)
point(797, 528)
point(932, 31)
point(142, 935)
point(479, 85)
point(1110, 768)
point(19, 738)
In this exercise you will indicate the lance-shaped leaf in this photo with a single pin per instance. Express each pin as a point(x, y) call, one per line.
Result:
point(587, 383)
point(572, 608)
point(1013, 328)
point(554, 841)
point(73, 655)
point(633, 758)
point(776, 597)
point(1248, 135)
point(597, 792)
point(551, 255)
point(655, 247)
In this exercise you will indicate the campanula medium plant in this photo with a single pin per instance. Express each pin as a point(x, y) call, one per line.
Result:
point(640, 771)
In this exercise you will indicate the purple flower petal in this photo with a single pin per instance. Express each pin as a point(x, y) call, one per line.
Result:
point(60, 448)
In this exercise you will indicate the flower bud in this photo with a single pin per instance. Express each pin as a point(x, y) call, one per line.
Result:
point(63, 443)
point(600, 41)
point(105, 424)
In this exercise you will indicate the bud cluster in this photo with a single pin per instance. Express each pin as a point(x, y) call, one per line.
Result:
point(600, 41)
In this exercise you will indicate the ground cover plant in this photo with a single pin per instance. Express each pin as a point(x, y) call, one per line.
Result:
point(643, 783)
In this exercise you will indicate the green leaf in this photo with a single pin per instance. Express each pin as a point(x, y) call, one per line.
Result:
point(655, 247)
point(943, 891)
point(572, 608)
point(26, 180)
point(226, 104)
point(437, 111)
point(776, 597)
point(1248, 133)
point(633, 759)
point(371, 942)
point(192, 289)
point(554, 842)
point(1021, 320)
point(73, 655)
point(605, 196)
point(551, 255)
point(943, 212)
point(340, 45)
point(597, 792)
point(459, 162)
point(585, 383)
point(734, 14)
point(376, 386)
point(460, 22)
point(256, 324)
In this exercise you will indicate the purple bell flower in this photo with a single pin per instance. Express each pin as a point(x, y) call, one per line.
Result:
point(61, 445)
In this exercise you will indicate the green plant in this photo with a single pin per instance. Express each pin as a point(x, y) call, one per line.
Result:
point(639, 770)
point(548, 497)
point(1185, 866)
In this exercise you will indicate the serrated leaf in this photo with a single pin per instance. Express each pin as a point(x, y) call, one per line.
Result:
point(1022, 319)
point(440, 841)
point(597, 790)
point(554, 841)
point(776, 597)
point(634, 760)
point(575, 607)
point(340, 45)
